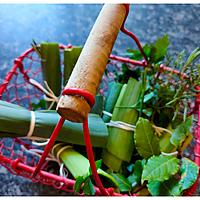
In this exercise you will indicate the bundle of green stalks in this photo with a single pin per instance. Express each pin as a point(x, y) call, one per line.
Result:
point(120, 142)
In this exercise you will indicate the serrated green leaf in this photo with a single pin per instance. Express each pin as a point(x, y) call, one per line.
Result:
point(161, 47)
point(160, 168)
point(78, 183)
point(124, 184)
point(135, 54)
point(88, 187)
point(189, 173)
point(146, 141)
point(170, 187)
point(147, 50)
point(181, 132)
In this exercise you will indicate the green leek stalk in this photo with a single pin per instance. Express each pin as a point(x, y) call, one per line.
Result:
point(51, 69)
point(114, 89)
point(77, 164)
point(120, 142)
point(15, 122)
point(70, 58)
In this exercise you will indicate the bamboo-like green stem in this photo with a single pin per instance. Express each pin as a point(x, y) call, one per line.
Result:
point(51, 69)
point(12, 116)
point(111, 99)
point(70, 58)
point(120, 142)
point(77, 164)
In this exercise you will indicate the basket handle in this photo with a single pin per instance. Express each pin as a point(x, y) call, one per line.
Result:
point(92, 62)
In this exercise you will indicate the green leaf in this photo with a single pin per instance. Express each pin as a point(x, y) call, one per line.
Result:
point(161, 48)
point(147, 50)
point(78, 183)
point(170, 187)
point(146, 141)
point(189, 173)
point(181, 132)
point(124, 184)
point(88, 187)
point(160, 168)
point(108, 176)
point(135, 177)
point(135, 54)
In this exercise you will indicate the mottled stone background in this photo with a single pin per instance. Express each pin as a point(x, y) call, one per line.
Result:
point(71, 23)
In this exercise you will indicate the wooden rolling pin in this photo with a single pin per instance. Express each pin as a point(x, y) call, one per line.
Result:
point(92, 61)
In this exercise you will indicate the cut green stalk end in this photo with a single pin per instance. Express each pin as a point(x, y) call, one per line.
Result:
point(77, 164)
point(51, 69)
point(70, 58)
point(45, 122)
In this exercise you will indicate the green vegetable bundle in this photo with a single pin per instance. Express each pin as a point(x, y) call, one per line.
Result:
point(120, 143)
point(15, 122)
point(140, 129)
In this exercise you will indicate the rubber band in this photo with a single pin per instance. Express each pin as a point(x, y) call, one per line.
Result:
point(63, 171)
point(122, 125)
point(54, 147)
point(40, 143)
point(32, 125)
point(107, 113)
point(169, 154)
point(61, 151)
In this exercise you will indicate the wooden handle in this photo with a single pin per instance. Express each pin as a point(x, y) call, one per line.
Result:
point(91, 64)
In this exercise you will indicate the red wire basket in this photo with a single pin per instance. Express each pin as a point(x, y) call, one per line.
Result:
point(18, 88)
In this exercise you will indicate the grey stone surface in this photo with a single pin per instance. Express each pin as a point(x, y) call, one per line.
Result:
point(19, 24)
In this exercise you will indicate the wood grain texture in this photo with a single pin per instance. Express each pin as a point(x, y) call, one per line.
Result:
point(91, 64)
